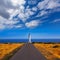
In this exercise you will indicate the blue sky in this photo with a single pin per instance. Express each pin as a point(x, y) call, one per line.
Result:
point(41, 18)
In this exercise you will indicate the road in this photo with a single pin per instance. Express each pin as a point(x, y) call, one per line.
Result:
point(28, 52)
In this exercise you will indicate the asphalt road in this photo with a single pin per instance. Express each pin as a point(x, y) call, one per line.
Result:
point(28, 52)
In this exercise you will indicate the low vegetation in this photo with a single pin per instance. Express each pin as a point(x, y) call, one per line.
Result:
point(7, 50)
point(50, 51)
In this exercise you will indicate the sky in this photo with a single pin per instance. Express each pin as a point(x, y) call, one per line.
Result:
point(40, 18)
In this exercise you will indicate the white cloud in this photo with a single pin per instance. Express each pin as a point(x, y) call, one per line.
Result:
point(7, 21)
point(14, 14)
point(55, 21)
point(32, 2)
point(4, 23)
point(18, 2)
point(11, 8)
point(19, 26)
point(25, 14)
point(11, 22)
point(48, 4)
point(34, 9)
point(43, 12)
point(10, 11)
point(42, 5)
point(53, 4)
point(32, 24)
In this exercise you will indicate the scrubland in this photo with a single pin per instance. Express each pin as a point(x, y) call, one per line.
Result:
point(6, 49)
point(50, 51)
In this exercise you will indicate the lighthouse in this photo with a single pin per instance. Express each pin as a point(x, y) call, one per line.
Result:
point(29, 38)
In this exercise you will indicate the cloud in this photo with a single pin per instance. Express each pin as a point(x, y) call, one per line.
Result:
point(12, 12)
point(18, 2)
point(55, 21)
point(48, 4)
point(25, 14)
point(44, 7)
point(32, 2)
point(4, 6)
point(34, 9)
point(9, 9)
point(7, 5)
point(51, 5)
point(33, 23)
point(4, 23)
point(4, 13)
point(19, 26)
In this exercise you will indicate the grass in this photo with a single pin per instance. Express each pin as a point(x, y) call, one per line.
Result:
point(50, 51)
point(8, 50)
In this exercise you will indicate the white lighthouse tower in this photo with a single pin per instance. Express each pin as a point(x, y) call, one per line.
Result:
point(29, 37)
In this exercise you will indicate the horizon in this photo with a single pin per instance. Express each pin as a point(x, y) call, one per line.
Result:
point(27, 40)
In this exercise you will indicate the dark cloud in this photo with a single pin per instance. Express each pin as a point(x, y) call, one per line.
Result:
point(4, 13)
point(4, 6)
point(7, 4)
